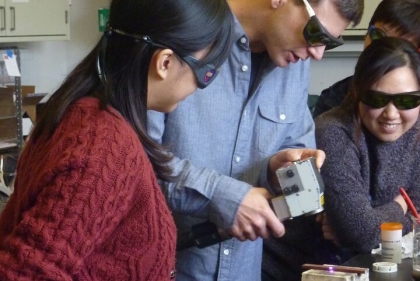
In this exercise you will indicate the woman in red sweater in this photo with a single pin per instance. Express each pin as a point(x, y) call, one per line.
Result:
point(86, 203)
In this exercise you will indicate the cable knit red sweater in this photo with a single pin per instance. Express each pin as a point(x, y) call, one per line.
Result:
point(87, 206)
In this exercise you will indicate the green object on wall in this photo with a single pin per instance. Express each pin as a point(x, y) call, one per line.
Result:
point(103, 15)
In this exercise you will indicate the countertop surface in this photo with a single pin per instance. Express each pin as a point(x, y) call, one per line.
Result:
point(366, 260)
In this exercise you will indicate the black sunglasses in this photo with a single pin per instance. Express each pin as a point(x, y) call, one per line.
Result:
point(205, 73)
point(402, 101)
point(375, 33)
point(315, 33)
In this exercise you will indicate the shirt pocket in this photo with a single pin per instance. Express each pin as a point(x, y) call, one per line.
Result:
point(274, 123)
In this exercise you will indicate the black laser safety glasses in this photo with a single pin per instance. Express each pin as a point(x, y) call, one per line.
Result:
point(402, 101)
point(205, 73)
point(315, 33)
point(375, 33)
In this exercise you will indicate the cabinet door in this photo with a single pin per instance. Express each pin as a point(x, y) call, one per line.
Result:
point(52, 17)
point(2, 17)
point(33, 20)
point(20, 16)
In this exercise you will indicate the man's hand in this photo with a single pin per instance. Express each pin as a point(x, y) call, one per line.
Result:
point(255, 218)
point(286, 157)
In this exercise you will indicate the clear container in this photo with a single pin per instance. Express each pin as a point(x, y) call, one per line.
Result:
point(416, 249)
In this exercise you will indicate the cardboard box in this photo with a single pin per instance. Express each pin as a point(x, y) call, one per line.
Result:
point(8, 119)
point(29, 100)
point(29, 104)
point(26, 89)
point(7, 103)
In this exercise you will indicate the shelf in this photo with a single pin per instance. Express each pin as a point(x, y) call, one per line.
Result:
point(8, 117)
point(11, 149)
point(11, 139)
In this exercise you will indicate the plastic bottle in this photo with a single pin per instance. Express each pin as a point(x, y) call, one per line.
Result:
point(391, 234)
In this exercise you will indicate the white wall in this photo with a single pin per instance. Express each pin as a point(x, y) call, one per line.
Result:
point(326, 72)
point(336, 64)
point(45, 64)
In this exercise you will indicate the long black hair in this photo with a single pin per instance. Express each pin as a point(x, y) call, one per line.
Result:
point(185, 26)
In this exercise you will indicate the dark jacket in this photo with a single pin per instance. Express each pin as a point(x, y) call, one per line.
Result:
point(332, 96)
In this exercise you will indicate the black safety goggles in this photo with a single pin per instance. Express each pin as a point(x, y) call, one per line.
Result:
point(375, 33)
point(402, 101)
point(205, 73)
point(315, 33)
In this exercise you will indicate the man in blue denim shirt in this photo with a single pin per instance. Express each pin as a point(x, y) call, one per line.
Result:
point(229, 139)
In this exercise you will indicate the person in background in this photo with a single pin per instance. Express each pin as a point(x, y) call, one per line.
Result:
point(86, 203)
point(372, 146)
point(229, 139)
point(396, 18)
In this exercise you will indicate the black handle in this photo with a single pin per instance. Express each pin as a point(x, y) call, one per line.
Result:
point(201, 235)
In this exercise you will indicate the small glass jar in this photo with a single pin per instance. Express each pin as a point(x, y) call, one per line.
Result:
point(416, 248)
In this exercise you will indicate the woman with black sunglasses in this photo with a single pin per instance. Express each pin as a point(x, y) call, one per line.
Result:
point(372, 146)
point(86, 203)
point(392, 18)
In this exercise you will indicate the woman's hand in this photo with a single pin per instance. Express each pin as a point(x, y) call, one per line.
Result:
point(327, 230)
point(400, 200)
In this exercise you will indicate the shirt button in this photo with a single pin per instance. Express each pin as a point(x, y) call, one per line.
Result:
point(244, 68)
point(226, 252)
point(237, 159)
point(244, 112)
point(282, 116)
point(243, 40)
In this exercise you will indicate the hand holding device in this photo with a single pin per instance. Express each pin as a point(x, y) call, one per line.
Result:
point(302, 188)
point(303, 194)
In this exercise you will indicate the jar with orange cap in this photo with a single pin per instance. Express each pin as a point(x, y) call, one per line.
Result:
point(391, 235)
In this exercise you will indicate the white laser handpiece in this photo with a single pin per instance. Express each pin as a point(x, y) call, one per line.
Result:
point(302, 188)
